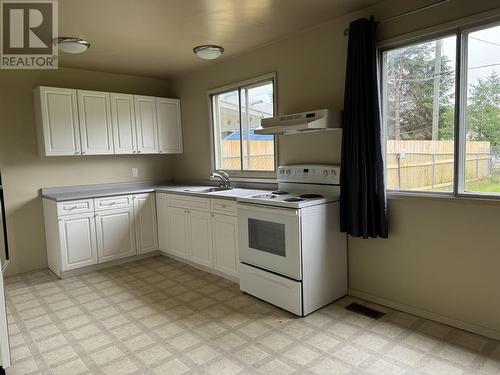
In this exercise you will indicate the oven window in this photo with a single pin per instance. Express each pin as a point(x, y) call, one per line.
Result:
point(266, 236)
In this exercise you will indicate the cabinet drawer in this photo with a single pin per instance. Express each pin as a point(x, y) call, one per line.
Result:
point(111, 203)
point(183, 201)
point(224, 207)
point(75, 207)
point(278, 290)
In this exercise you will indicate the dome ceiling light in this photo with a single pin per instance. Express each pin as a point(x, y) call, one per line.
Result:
point(71, 45)
point(208, 51)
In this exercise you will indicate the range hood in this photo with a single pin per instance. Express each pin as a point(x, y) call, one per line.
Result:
point(321, 119)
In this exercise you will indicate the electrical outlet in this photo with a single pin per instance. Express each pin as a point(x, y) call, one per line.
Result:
point(135, 172)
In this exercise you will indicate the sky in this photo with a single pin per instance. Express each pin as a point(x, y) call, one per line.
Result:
point(483, 49)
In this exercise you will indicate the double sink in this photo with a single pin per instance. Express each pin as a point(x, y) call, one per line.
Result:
point(203, 190)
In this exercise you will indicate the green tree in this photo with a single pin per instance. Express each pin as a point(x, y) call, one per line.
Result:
point(483, 110)
point(410, 82)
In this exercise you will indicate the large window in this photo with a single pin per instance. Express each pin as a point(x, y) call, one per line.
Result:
point(420, 114)
point(482, 111)
point(236, 113)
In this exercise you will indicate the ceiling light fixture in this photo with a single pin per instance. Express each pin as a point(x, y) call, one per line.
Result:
point(208, 51)
point(71, 45)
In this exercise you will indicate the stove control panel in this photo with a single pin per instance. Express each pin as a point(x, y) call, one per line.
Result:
point(310, 174)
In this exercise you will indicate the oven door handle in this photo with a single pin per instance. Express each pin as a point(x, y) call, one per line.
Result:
point(268, 209)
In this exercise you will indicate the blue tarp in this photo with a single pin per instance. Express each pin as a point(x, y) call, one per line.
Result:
point(253, 137)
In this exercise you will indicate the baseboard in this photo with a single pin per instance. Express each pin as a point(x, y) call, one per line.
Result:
point(483, 331)
point(200, 267)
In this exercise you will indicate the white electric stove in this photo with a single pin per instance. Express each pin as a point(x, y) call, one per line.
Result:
point(292, 253)
point(301, 186)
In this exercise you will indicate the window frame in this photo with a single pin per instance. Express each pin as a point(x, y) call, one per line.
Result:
point(460, 33)
point(242, 174)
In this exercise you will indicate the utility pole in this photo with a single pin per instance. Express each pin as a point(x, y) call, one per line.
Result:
point(435, 98)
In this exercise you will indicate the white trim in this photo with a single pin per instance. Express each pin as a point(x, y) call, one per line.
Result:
point(460, 29)
point(466, 326)
point(464, 22)
point(240, 173)
point(247, 82)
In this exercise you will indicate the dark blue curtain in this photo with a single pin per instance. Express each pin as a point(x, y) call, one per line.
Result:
point(363, 206)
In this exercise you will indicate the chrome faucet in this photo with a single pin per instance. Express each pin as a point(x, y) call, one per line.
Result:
point(222, 176)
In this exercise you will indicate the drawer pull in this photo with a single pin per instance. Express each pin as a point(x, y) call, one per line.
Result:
point(71, 208)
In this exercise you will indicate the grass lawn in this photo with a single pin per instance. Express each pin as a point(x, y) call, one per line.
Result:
point(491, 185)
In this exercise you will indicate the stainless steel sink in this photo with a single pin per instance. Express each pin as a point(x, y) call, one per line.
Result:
point(206, 190)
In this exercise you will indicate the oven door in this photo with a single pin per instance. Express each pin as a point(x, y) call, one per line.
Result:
point(269, 238)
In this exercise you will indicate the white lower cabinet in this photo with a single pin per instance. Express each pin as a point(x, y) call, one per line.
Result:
point(199, 230)
point(115, 234)
point(86, 232)
point(77, 241)
point(177, 242)
point(146, 229)
point(225, 240)
point(200, 237)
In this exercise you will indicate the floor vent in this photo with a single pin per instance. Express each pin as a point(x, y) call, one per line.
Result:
point(363, 310)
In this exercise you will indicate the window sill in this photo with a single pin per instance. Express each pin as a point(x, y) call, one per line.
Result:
point(460, 198)
point(271, 180)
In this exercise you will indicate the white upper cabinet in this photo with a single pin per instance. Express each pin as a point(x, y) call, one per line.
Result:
point(169, 125)
point(95, 122)
point(83, 122)
point(146, 124)
point(123, 118)
point(58, 128)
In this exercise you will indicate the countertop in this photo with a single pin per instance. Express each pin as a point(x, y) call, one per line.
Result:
point(60, 194)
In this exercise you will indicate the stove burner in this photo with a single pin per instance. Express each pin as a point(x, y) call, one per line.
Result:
point(310, 196)
point(292, 200)
point(280, 192)
point(264, 196)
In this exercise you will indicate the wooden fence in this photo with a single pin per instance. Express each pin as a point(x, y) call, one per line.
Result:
point(429, 164)
point(261, 155)
point(410, 164)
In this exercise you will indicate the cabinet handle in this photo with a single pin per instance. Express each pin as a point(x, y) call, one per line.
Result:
point(139, 151)
point(76, 153)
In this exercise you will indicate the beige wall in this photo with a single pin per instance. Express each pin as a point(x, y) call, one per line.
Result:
point(24, 172)
point(443, 255)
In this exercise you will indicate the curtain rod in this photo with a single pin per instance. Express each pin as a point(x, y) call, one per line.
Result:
point(425, 7)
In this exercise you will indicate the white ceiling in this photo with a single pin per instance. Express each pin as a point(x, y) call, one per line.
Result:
point(156, 37)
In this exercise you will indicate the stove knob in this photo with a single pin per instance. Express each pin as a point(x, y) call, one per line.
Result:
point(325, 172)
point(282, 171)
point(334, 172)
point(288, 171)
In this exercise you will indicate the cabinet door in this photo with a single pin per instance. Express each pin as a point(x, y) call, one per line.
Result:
point(115, 234)
point(57, 121)
point(146, 125)
point(177, 233)
point(168, 113)
point(225, 235)
point(95, 122)
point(162, 215)
point(200, 237)
point(78, 241)
point(123, 119)
point(146, 230)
